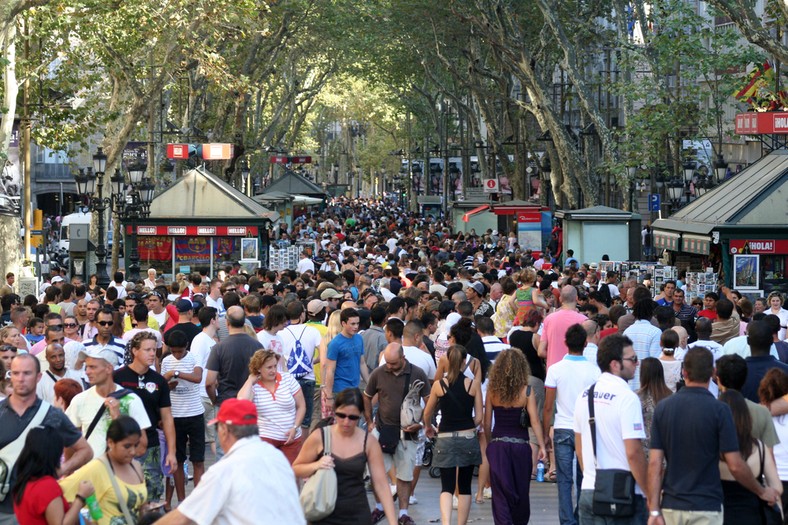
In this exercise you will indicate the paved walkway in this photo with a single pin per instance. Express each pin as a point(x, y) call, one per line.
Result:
point(544, 502)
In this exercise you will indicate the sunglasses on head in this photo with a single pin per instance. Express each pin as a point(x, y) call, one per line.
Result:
point(106, 323)
point(351, 417)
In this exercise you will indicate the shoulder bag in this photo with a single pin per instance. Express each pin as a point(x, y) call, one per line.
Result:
point(319, 495)
point(614, 489)
point(124, 508)
point(10, 453)
point(118, 394)
point(770, 514)
point(389, 435)
point(525, 420)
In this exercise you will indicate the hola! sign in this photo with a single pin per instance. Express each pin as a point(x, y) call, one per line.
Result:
point(762, 123)
point(759, 246)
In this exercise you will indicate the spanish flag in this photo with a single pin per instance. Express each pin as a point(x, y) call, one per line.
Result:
point(762, 76)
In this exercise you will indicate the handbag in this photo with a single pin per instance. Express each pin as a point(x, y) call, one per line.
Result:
point(319, 495)
point(770, 514)
point(525, 420)
point(614, 489)
point(124, 508)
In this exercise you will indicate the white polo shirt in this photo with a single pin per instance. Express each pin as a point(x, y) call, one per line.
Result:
point(569, 376)
point(618, 417)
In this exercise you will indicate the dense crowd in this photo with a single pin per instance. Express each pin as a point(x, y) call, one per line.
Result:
point(394, 344)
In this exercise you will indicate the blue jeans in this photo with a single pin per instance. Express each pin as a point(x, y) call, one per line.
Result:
point(564, 445)
point(308, 389)
point(587, 516)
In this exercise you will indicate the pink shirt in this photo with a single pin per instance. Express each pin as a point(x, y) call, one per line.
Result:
point(554, 333)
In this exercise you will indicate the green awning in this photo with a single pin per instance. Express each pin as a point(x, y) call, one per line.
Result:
point(665, 240)
point(700, 244)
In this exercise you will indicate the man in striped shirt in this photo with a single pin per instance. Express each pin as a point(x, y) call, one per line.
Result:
point(104, 340)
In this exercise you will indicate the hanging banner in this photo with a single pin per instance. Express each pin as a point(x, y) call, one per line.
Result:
point(154, 248)
point(195, 250)
point(224, 247)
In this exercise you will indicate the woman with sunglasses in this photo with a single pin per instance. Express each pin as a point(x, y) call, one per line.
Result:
point(352, 450)
point(279, 400)
point(71, 328)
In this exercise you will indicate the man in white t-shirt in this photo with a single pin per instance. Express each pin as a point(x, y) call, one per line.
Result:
point(299, 364)
point(305, 264)
point(411, 339)
point(100, 363)
point(565, 381)
point(703, 329)
point(618, 422)
point(200, 349)
point(56, 370)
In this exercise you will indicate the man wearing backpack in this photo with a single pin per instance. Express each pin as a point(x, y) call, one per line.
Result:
point(299, 341)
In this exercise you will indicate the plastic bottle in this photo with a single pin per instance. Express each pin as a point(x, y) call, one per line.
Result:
point(540, 471)
point(93, 506)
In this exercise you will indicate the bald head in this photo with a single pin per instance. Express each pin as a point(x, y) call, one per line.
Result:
point(56, 357)
point(235, 317)
point(683, 335)
point(568, 294)
point(592, 330)
point(394, 357)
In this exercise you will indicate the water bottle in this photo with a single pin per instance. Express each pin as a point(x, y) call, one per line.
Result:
point(93, 506)
point(540, 471)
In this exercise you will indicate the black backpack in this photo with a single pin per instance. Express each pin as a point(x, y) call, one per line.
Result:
point(604, 291)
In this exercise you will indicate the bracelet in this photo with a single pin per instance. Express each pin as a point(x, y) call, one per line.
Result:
point(77, 496)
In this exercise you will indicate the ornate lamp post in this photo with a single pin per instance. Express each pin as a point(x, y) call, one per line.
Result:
point(132, 206)
point(90, 187)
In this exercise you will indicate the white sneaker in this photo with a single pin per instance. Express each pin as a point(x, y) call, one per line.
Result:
point(454, 502)
point(413, 500)
point(487, 493)
point(393, 489)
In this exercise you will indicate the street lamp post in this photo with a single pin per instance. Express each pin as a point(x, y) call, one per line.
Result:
point(87, 181)
point(132, 206)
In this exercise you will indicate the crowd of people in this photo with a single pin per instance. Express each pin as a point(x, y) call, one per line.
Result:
point(396, 341)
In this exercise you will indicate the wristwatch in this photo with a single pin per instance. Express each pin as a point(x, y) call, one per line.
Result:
point(655, 513)
point(177, 374)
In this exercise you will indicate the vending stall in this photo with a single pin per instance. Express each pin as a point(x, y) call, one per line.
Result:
point(202, 222)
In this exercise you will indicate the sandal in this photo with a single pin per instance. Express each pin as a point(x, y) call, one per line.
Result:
point(551, 477)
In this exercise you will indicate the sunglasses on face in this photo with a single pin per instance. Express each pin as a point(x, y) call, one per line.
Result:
point(55, 326)
point(106, 323)
point(351, 417)
point(70, 325)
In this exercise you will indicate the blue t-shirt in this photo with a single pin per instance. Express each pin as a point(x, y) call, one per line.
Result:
point(693, 429)
point(347, 352)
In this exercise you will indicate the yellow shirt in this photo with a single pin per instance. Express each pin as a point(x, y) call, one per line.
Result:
point(98, 474)
point(153, 324)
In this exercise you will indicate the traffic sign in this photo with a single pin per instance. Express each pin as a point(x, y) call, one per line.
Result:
point(653, 202)
point(491, 185)
point(178, 151)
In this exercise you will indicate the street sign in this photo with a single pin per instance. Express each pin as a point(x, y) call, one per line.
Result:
point(178, 151)
point(491, 185)
point(281, 159)
point(653, 202)
point(278, 160)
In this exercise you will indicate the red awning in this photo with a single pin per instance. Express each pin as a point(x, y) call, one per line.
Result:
point(467, 216)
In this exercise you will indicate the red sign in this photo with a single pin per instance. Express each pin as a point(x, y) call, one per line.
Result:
point(217, 151)
point(278, 160)
point(759, 246)
point(301, 160)
point(196, 231)
point(529, 216)
point(759, 123)
point(178, 151)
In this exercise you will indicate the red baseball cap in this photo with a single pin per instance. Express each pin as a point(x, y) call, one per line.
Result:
point(236, 412)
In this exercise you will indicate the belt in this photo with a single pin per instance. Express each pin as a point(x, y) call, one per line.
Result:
point(458, 433)
point(507, 439)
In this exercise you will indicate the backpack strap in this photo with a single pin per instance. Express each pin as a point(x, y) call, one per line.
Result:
point(118, 394)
